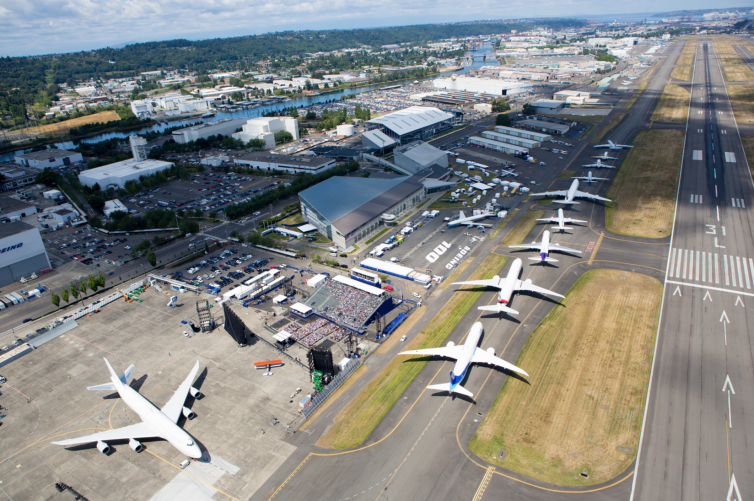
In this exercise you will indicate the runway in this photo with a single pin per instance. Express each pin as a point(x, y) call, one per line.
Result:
point(698, 421)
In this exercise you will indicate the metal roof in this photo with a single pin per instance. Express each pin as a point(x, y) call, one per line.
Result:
point(411, 119)
point(47, 154)
point(8, 230)
point(337, 196)
point(378, 138)
point(422, 153)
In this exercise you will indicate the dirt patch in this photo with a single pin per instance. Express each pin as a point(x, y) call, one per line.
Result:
point(589, 364)
point(742, 101)
point(614, 120)
point(685, 60)
point(673, 105)
point(681, 73)
point(728, 59)
point(66, 125)
point(689, 48)
point(645, 186)
point(522, 228)
point(740, 73)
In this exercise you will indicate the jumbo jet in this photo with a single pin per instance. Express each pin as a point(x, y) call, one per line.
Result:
point(506, 287)
point(613, 146)
point(589, 179)
point(605, 157)
point(470, 221)
point(544, 248)
point(562, 221)
point(465, 355)
point(156, 423)
point(570, 194)
point(599, 165)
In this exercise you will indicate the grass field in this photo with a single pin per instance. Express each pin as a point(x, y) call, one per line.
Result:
point(673, 105)
point(589, 364)
point(689, 48)
point(742, 101)
point(645, 186)
point(567, 174)
point(294, 219)
point(740, 73)
point(357, 420)
point(494, 233)
point(66, 125)
point(730, 59)
point(610, 125)
point(685, 60)
point(748, 142)
point(681, 73)
point(522, 228)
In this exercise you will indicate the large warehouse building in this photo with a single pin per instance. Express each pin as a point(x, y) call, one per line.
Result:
point(285, 163)
point(410, 124)
point(225, 127)
point(494, 86)
point(12, 209)
point(22, 252)
point(264, 128)
point(119, 173)
point(418, 156)
point(350, 209)
point(52, 158)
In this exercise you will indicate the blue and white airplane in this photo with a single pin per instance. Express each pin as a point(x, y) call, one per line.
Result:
point(544, 249)
point(465, 355)
point(156, 423)
point(470, 221)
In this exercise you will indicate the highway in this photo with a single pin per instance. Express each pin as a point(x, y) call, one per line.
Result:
point(698, 422)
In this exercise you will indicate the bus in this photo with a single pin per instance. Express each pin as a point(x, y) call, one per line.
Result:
point(366, 277)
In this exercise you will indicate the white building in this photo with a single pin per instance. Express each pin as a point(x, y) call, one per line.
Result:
point(114, 205)
point(194, 105)
point(12, 209)
point(170, 100)
point(285, 163)
point(142, 107)
point(64, 215)
point(52, 158)
point(265, 128)
point(223, 91)
point(225, 127)
point(22, 251)
point(497, 87)
point(86, 90)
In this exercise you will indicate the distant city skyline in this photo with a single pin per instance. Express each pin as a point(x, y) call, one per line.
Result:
point(36, 27)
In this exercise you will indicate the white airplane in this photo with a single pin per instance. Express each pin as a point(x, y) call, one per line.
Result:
point(570, 194)
point(605, 157)
point(599, 165)
point(562, 221)
point(470, 221)
point(612, 146)
point(156, 423)
point(544, 248)
point(589, 179)
point(507, 286)
point(504, 172)
point(465, 355)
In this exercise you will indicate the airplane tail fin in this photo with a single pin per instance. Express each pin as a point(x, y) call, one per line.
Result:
point(124, 378)
point(446, 387)
point(558, 228)
point(498, 308)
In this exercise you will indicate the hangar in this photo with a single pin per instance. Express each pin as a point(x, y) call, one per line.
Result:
point(411, 124)
point(22, 251)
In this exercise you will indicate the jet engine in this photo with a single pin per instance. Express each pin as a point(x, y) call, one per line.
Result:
point(491, 351)
point(528, 281)
point(188, 413)
point(103, 448)
point(451, 344)
point(195, 393)
point(135, 445)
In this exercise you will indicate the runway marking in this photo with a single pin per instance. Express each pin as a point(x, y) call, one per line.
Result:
point(738, 268)
point(738, 203)
point(732, 271)
point(727, 445)
point(696, 154)
point(189, 474)
point(717, 271)
point(483, 484)
point(704, 260)
point(738, 300)
point(697, 264)
point(596, 248)
point(707, 287)
point(725, 267)
point(695, 199)
point(730, 157)
point(706, 295)
point(733, 488)
point(685, 262)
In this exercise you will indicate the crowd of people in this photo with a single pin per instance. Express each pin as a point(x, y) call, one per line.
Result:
point(313, 332)
point(353, 306)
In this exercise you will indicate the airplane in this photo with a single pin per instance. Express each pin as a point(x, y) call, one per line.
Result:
point(544, 249)
point(506, 287)
point(599, 165)
point(589, 179)
point(465, 355)
point(612, 145)
point(504, 172)
point(156, 423)
point(570, 194)
point(561, 221)
point(605, 157)
point(470, 221)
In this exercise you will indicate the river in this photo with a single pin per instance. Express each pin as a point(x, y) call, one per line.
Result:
point(262, 110)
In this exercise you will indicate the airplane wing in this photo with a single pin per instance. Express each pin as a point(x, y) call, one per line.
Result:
point(528, 286)
point(533, 245)
point(562, 193)
point(569, 220)
point(471, 225)
point(443, 351)
point(560, 248)
point(139, 430)
point(549, 220)
point(602, 146)
point(482, 283)
point(173, 408)
point(590, 196)
point(482, 357)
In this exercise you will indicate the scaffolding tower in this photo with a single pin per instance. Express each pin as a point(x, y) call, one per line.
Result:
point(205, 317)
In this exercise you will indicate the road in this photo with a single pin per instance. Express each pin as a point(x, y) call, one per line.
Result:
point(697, 425)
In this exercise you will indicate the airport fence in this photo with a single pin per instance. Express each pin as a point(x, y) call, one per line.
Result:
point(336, 383)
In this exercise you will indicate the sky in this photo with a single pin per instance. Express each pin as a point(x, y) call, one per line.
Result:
point(33, 27)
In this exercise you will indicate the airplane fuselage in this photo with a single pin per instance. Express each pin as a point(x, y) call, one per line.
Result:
point(464, 360)
point(508, 284)
point(572, 191)
point(544, 251)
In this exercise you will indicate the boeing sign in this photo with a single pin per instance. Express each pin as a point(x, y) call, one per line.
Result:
point(11, 247)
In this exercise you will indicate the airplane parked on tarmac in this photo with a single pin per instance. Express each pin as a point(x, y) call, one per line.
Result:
point(613, 146)
point(544, 249)
point(570, 194)
point(589, 179)
point(465, 355)
point(605, 157)
point(156, 423)
point(471, 220)
point(599, 165)
point(562, 221)
point(507, 286)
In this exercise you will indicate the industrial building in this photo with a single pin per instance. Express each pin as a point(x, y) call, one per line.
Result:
point(496, 145)
point(118, 173)
point(225, 127)
point(494, 86)
point(264, 128)
point(52, 158)
point(285, 163)
point(194, 105)
point(547, 106)
point(22, 251)
point(16, 177)
point(410, 124)
point(512, 140)
point(544, 126)
point(348, 210)
point(417, 156)
point(114, 205)
point(12, 209)
point(376, 140)
point(64, 215)
point(510, 131)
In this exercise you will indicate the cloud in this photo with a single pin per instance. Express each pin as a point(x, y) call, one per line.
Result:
point(51, 26)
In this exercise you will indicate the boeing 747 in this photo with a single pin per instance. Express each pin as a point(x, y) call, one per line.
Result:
point(544, 248)
point(613, 146)
point(589, 179)
point(561, 220)
point(599, 165)
point(570, 194)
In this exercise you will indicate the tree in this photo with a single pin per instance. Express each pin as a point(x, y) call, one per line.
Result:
point(529, 109)
point(310, 115)
point(294, 112)
point(206, 247)
point(55, 299)
point(47, 177)
point(74, 290)
point(283, 136)
point(97, 203)
point(91, 283)
point(256, 143)
point(151, 257)
point(503, 120)
point(500, 105)
point(100, 280)
point(64, 295)
point(82, 286)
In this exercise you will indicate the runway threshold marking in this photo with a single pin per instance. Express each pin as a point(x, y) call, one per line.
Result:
point(719, 289)
point(483, 485)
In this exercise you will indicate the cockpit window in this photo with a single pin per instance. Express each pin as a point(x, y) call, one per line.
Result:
point(191, 442)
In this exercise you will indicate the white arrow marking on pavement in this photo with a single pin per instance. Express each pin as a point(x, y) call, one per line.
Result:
point(728, 383)
point(725, 317)
point(707, 296)
point(678, 291)
point(738, 300)
point(733, 487)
